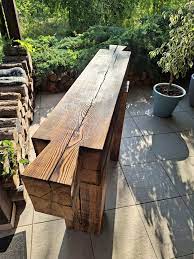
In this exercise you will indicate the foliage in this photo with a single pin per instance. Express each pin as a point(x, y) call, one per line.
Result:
point(85, 13)
point(25, 45)
point(24, 161)
point(177, 54)
point(8, 161)
point(37, 18)
point(65, 34)
point(60, 17)
point(51, 53)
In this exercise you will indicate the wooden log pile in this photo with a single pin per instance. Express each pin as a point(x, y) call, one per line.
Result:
point(16, 99)
point(55, 83)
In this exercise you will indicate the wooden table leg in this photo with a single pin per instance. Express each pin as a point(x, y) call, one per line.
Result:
point(119, 123)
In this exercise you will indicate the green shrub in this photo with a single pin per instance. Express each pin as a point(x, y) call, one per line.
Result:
point(51, 53)
point(55, 46)
point(8, 161)
point(176, 55)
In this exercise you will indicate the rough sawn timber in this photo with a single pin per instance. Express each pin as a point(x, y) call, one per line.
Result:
point(68, 177)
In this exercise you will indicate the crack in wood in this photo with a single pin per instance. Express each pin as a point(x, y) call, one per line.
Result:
point(70, 173)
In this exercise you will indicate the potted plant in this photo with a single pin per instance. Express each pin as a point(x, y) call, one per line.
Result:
point(176, 58)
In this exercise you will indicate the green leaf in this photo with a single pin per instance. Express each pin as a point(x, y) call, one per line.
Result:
point(24, 161)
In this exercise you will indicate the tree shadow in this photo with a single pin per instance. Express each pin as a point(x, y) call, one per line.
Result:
point(167, 214)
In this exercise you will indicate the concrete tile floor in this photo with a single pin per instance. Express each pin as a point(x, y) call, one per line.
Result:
point(149, 210)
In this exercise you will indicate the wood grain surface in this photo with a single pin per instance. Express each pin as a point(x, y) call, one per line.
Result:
point(81, 118)
point(74, 143)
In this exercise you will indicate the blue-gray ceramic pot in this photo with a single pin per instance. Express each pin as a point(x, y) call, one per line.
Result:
point(191, 91)
point(164, 105)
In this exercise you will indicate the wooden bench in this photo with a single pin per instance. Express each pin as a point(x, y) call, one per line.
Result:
point(68, 177)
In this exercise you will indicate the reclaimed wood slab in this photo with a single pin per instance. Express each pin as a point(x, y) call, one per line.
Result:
point(68, 177)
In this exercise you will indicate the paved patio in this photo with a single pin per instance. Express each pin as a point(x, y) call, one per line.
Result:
point(150, 200)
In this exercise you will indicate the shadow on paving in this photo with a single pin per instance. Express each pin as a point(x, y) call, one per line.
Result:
point(163, 191)
point(13, 246)
point(168, 215)
point(162, 223)
point(10, 242)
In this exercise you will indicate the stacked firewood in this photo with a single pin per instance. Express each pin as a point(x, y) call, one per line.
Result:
point(57, 82)
point(16, 99)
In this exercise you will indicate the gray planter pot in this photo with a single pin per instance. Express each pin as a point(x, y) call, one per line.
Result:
point(191, 91)
point(164, 105)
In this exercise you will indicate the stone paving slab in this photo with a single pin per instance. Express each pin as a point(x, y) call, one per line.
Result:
point(50, 100)
point(150, 124)
point(24, 214)
point(118, 193)
point(180, 121)
point(140, 107)
point(127, 114)
point(144, 217)
point(144, 180)
point(149, 182)
point(135, 150)
point(28, 233)
point(184, 103)
point(169, 224)
point(130, 128)
point(168, 146)
point(124, 236)
point(186, 257)
point(181, 174)
point(139, 101)
point(135, 94)
point(179, 108)
point(189, 201)
point(41, 217)
point(36, 123)
point(37, 102)
point(51, 240)
point(188, 137)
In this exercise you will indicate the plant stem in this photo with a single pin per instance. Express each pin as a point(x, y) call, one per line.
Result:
point(171, 80)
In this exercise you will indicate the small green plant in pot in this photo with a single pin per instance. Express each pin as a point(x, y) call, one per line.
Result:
point(176, 58)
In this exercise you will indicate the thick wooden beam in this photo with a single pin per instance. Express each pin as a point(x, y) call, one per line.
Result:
point(68, 177)
point(12, 20)
point(118, 130)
